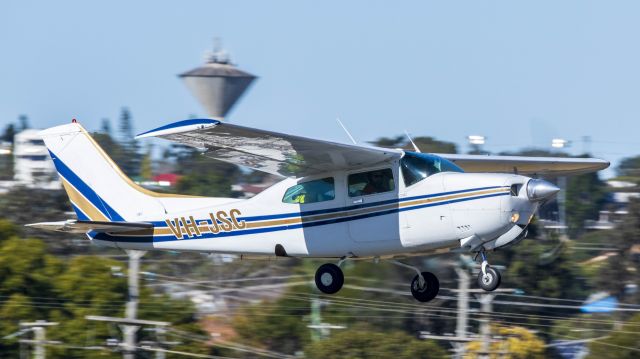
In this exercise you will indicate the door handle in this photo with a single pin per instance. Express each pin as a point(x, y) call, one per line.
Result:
point(359, 200)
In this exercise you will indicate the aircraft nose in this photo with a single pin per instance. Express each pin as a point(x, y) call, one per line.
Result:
point(540, 190)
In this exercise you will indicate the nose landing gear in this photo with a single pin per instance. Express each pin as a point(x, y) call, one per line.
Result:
point(488, 278)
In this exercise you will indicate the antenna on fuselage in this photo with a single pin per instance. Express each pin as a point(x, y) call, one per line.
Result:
point(415, 147)
point(345, 130)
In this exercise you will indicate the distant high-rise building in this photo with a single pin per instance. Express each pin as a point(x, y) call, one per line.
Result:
point(218, 84)
point(32, 165)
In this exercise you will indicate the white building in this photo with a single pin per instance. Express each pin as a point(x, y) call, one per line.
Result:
point(32, 165)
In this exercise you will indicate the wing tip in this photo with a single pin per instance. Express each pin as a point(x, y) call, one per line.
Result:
point(179, 126)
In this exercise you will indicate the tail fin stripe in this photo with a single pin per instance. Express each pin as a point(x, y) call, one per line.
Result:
point(79, 213)
point(80, 202)
point(84, 192)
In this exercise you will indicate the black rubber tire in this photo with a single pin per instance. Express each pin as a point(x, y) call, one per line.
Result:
point(430, 290)
point(491, 281)
point(329, 278)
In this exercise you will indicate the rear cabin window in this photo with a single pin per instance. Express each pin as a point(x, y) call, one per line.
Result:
point(418, 166)
point(320, 190)
point(371, 182)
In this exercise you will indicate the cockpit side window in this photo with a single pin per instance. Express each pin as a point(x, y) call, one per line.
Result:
point(319, 190)
point(418, 166)
point(371, 182)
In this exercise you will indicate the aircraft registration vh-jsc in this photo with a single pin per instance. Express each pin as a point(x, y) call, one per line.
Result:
point(335, 201)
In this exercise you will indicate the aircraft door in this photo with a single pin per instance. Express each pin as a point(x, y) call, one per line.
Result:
point(427, 218)
point(372, 198)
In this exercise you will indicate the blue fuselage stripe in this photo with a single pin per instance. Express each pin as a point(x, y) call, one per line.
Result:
point(147, 239)
point(160, 224)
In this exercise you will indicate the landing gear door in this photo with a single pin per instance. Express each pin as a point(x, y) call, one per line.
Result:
point(372, 197)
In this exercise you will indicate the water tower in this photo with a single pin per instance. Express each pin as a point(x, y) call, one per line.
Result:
point(218, 84)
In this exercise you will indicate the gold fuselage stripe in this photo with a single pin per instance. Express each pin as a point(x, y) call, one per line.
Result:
point(313, 218)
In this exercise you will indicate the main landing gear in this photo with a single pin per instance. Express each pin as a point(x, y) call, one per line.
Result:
point(424, 286)
point(488, 278)
point(329, 278)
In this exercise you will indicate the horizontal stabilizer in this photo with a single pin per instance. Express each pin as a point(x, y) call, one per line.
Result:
point(74, 226)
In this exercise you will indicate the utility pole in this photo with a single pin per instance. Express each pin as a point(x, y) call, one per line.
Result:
point(129, 331)
point(130, 324)
point(486, 301)
point(562, 205)
point(124, 323)
point(39, 337)
point(316, 319)
point(463, 311)
point(319, 330)
point(160, 331)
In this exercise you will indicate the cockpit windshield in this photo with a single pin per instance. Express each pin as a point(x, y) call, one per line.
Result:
point(418, 166)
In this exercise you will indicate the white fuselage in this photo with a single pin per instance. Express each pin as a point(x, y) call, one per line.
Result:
point(445, 210)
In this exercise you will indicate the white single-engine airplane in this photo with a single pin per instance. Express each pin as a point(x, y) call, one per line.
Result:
point(336, 200)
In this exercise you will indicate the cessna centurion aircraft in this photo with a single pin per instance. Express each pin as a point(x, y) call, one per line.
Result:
point(335, 200)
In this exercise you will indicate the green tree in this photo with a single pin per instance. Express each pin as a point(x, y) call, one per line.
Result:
point(7, 230)
point(26, 268)
point(6, 159)
point(25, 285)
point(363, 343)
point(125, 126)
point(621, 269)
point(180, 313)
point(9, 132)
point(202, 175)
point(105, 126)
point(621, 344)
point(586, 195)
point(146, 171)
point(426, 144)
point(629, 167)
point(23, 120)
point(541, 268)
point(131, 157)
point(124, 154)
point(431, 145)
point(87, 287)
point(17, 206)
point(275, 325)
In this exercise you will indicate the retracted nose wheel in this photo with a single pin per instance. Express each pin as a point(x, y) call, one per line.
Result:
point(426, 289)
point(489, 280)
point(329, 278)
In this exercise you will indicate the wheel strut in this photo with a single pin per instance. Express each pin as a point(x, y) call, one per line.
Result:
point(420, 276)
point(484, 264)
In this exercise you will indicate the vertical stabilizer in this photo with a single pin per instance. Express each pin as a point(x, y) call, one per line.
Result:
point(97, 187)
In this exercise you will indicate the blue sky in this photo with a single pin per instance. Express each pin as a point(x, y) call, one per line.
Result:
point(518, 73)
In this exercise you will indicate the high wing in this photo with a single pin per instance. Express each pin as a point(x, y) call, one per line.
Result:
point(550, 166)
point(73, 226)
point(272, 152)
